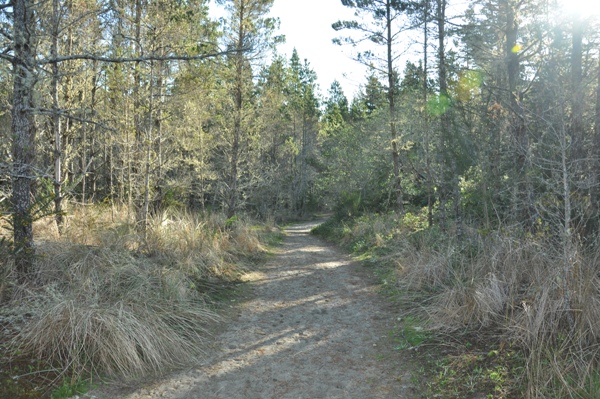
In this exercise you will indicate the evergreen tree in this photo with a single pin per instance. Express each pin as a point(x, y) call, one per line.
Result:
point(384, 31)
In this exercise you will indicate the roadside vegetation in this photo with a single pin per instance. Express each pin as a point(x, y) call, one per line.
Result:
point(487, 312)
point(108, 301)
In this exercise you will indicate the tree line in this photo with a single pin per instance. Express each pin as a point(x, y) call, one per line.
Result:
point(150, 104)
point(153, 104)
point(493, 127)
point(493, 123)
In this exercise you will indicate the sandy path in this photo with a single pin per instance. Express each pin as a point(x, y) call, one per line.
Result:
point(313, 328)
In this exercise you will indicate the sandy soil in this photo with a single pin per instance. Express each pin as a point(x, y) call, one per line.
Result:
point(312, 327)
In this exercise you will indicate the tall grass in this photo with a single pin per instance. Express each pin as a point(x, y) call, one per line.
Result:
point(109, 300)
point(511, 286)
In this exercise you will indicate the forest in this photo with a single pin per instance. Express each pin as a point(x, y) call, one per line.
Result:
point(143, 142)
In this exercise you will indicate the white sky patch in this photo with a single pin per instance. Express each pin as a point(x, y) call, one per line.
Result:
point(306, 25)
point(582, 8)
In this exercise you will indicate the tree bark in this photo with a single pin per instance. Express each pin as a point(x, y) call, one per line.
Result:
point(24, 136)
point(595, 170)
point(444, 121)
point(135, 184)
point(147, 168)
point(56, 120)
point(523, 206)
point(430, 183)
point(158, 187)
point(577, 94)
point(399, 205)
point(238, 111)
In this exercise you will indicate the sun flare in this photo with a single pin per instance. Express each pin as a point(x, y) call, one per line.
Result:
point(582, 8)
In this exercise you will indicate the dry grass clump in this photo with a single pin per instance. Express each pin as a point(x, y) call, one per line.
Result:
point(424, 270)
point(108, 300)
point(203, 247)
point(476, 304)
point(122, 338)
point(476, 282)
point(512, 287)
point(99, 310)
point(516, 288)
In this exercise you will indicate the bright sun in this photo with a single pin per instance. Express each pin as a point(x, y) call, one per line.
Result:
point(582, 8)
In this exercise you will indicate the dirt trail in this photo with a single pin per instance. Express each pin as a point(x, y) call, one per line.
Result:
point(314, 327)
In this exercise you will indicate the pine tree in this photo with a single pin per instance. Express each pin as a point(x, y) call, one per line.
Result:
point(385, 31)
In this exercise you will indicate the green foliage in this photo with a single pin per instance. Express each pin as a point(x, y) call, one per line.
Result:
point(173, 198)
point(288, 150)
point(411, 335)
point(349, 204)
point(329, 230)
point(589, 388)
point(42, 206)
point(273, 237)
point(469, 373)
point(232, 221)
point(355, 149)
point(70, 389)
point(438, 105)
point(415, 222)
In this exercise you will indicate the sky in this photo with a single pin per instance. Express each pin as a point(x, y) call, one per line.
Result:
point(307, 27)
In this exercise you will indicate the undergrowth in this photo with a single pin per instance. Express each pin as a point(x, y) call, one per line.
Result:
point(107, 300)
point(492, 306)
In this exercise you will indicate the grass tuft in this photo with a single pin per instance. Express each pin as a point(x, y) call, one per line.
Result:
point(109, 300)
point(491, 289)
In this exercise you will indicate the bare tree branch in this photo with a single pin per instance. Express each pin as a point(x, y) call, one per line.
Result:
point(45, 111)
point(123, 60)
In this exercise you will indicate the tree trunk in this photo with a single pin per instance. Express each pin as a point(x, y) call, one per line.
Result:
point(147, 168)
point(449, 173)
point(138, 149)
point(430, 183)
point(238, 110)
point(569, 249)
point(159, 150)
point(399, 205)
point(24, 135)
point(595, 170)
point(523, 206)
point(576, 125)
point(577, 95)
point(56, 120)
point(444, 121)
point(91, 167)
point(84, 146)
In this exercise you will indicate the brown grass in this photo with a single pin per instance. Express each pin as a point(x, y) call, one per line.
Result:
point(512, 287)
point(107, 300)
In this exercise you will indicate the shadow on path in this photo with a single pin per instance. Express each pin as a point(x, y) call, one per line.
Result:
point(314, 328)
